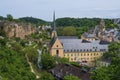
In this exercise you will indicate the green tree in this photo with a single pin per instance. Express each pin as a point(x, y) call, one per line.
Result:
point(2, 18)
point(3, 33)
point(24, 42)
point(3, 42)
point(114, 46)
point(111, 72)
point(100, 74)
point(46, 76)
point(32, 54)
point(80, 22)
point(14, 66)
point(34, 21)
point(71, 78)
point(9, 17)
point(63, 60)
point(47, 61)
point(81, 30)
point(60, 31)
point(69, 31)
point(114, 50)
point(17, 47)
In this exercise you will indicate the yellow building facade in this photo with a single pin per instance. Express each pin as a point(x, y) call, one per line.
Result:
point(87, 52)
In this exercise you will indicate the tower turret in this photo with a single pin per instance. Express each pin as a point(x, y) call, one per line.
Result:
point(102, 25)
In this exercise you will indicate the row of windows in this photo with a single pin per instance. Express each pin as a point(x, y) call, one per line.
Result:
point(83, 54)
point(102, 49)
point(77, 50)
point(84, 59)
point(84, 50)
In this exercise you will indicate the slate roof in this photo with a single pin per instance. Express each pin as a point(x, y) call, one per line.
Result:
point(117, 37)
point(67, 37)
point(62, 70)
point(118, 34)
point(73, 44)
point(88, 35)
point(76, 45)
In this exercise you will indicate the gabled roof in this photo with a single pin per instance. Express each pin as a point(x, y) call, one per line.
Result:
point(66, 69)
point(52, 41)
point(88, 35)
point(85, 41)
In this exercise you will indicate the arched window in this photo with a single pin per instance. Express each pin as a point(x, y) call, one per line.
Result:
point(57, 53)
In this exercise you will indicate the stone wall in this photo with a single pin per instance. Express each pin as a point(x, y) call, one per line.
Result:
point(18, 29)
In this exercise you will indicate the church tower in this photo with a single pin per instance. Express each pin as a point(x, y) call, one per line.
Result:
point(54, 33)
point(56, 48)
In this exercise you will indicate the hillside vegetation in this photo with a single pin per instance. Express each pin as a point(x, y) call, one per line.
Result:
point(13, 64)
point(80, 25)
point(32, 20)
point(81, 22)
point(62, 22)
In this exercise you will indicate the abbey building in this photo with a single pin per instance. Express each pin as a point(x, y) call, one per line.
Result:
point(75, 49)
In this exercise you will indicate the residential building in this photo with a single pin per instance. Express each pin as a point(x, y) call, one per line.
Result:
point(102, 33)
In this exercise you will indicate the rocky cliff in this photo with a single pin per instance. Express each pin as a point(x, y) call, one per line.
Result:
point(14, 29)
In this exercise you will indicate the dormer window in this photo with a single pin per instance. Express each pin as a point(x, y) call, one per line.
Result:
point(90, 49)
point(74, 50)
point(77, 50)
point(81, 50)
point(95, 49)
point(84, 49)
point(87, 50)
point(67, 50)
point(104, 49)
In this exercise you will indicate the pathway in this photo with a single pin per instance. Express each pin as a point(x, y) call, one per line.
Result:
point(32, 70)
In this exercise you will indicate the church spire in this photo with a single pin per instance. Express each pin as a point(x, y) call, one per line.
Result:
point(54, 25)
point(54, 33)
